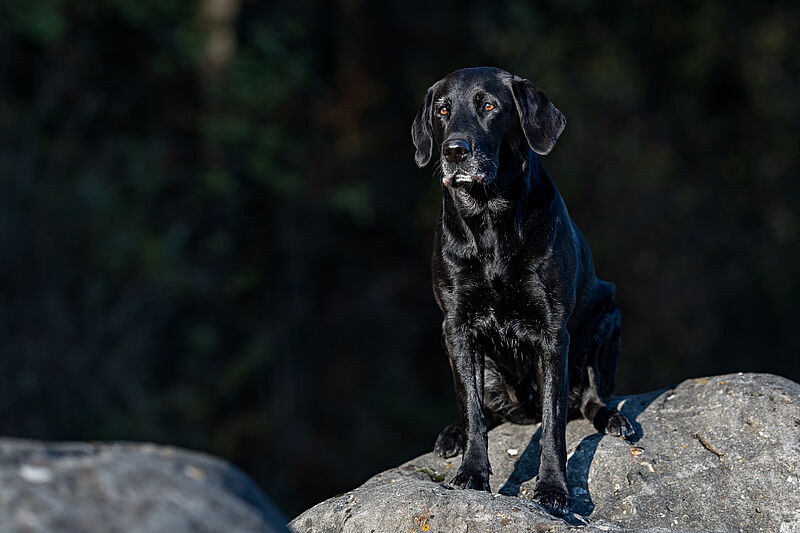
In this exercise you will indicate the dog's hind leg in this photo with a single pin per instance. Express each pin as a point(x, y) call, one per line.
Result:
point(601, 367)
point(604, 419)
point(450, 441)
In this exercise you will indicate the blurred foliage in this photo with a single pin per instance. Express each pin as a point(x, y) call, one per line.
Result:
point(237, 261)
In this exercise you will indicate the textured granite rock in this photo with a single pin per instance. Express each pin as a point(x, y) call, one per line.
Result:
point(714, 454)
point(88, 487)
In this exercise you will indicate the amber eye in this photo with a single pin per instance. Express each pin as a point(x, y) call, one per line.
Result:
point(488, 107)
point(443, 110)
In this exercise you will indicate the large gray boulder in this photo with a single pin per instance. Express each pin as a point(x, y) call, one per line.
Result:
point(715, 454)
point(106, 488)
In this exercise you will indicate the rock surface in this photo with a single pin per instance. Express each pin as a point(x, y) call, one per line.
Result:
point(87, 487)
point(715, 454)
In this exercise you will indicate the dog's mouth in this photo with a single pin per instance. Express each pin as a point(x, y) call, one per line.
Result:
point(460, 178)
point(477, 168)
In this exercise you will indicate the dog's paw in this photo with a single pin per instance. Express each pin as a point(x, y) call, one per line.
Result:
point(619, 426)
point(450, 441)
point(466, 479)
point(553, 497)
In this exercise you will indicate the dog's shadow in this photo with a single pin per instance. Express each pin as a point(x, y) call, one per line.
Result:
point(527, 466)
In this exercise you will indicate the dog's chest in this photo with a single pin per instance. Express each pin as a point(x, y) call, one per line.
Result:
point(505, 304)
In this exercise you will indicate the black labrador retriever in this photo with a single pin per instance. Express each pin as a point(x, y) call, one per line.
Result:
point(532, 335)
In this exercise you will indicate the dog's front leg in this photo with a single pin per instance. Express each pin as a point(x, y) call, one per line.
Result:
point(551, 370)
point(467, 364)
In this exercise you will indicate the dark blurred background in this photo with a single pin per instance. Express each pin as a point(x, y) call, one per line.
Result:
point(213, 234)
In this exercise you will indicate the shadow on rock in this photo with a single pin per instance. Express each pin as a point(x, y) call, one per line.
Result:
point(527, 466)
point(581, 459)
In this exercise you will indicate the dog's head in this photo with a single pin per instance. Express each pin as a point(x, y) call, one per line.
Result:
point(480, 117)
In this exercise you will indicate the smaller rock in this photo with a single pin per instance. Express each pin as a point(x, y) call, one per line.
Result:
point(93, 487)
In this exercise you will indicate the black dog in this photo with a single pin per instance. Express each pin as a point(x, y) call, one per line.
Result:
point(532, 335)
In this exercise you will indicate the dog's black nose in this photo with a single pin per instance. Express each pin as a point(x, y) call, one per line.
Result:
point(455, 150)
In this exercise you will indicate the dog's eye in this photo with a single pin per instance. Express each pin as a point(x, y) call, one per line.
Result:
point(488, 107)
point(443, 110)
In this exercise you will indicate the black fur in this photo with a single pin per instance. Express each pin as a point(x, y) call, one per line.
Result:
point(531, 334)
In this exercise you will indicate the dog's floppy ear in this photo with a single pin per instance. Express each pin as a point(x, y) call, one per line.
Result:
point(541, 122)
point(422, 131)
